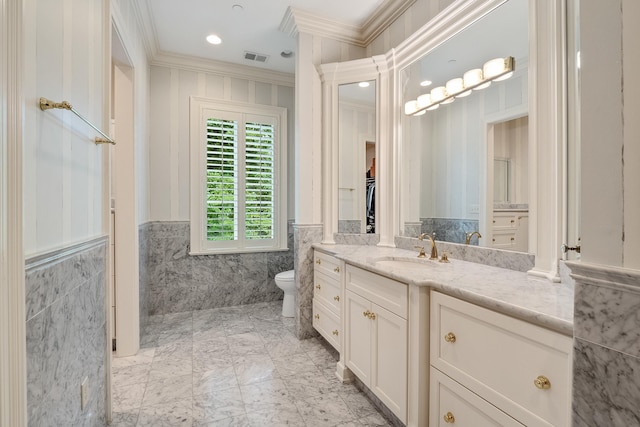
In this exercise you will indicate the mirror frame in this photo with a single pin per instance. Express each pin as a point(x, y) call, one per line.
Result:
point(332, 76)
point(547, 114)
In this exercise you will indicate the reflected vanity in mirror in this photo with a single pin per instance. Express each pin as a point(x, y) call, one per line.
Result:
point(465, 134)
point(356, 157)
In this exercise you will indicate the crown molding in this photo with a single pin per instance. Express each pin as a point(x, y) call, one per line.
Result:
point(296, 20)
point(190, 63)
point(142, 11)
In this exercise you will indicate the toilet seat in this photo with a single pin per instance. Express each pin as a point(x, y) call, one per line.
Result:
point(286, 275)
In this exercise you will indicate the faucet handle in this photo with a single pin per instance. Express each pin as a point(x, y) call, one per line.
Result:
point(421, 254)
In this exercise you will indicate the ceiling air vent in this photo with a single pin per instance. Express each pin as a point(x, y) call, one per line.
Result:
point(252, 56)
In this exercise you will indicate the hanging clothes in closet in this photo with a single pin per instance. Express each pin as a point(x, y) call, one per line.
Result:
point(371, 205)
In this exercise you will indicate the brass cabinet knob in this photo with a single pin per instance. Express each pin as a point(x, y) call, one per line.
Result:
point(337, 269)
point(513, 238)
point(318, 287)
point(336, 298)
point(449, 418)
point(335, 332)
point(318, 261)
point(317, 316)
point(542, 382)
point(369, 315)
point(512, 221)
point(450, 337)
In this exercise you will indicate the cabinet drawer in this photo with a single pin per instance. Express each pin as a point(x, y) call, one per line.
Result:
point(454, 405)
point(327, 291)
point(504, 238)
point(499, 358)
point(327, 323)
point(327, 264)
point(504, 220)
point(386, 293)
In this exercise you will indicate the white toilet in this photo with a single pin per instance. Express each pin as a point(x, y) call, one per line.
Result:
point(287, 283)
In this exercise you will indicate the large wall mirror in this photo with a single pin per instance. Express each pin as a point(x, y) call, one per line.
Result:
point(357, 157)
point(466, 159)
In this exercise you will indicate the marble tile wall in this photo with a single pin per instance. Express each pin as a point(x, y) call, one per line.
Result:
point(304, 237)
point(450, 230)
point(356, 239)
point(66, 335)
point(518, 261)
point(606, 366)
point(175, 281)
point(350, 226)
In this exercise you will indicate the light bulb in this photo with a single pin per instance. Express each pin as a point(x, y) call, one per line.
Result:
point(411, 107)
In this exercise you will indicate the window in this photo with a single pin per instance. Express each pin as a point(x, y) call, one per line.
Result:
point(238, 177)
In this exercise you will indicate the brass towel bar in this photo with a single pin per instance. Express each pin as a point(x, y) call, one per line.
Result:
point(47, 104)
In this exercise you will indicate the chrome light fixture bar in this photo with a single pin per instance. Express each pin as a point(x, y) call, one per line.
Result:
point(494, 70)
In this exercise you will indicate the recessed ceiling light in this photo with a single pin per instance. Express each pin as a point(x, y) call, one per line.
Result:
point(286, 54)
point(363, 84)
point(426, 83)
point(213, 39)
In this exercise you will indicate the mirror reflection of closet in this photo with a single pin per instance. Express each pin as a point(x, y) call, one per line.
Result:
point(356, 154)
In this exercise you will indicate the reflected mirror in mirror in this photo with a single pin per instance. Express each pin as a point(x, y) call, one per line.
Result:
point(357, 157)
point(451, 150)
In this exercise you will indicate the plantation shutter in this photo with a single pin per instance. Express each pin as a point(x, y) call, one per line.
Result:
point(222, 182)
point(259, 181)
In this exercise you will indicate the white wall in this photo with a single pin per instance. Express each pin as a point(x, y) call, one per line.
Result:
point(170, 89)
point(610, 151)
point(63, 60)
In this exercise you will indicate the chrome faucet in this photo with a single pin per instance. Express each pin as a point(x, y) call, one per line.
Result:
point(470, 235)
point(434, 250)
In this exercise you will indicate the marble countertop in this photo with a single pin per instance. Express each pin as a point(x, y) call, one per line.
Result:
point(514, 293)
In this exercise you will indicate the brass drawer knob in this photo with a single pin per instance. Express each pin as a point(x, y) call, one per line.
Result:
point(337, 269)
point(318, 261)
point(369, 315)
point(449, 418)
point(366, 313)
point(317, 316)
point(336, 298)
point(335, 332)
point(450, 337)
point(318, 287)
point(542, 382)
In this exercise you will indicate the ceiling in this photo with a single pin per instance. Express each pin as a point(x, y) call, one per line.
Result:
point(181, 26)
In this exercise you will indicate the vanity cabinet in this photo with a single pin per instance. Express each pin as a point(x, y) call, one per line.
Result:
point(327, 298)
point(511, 230)
point(495, 365)
point(376, 336)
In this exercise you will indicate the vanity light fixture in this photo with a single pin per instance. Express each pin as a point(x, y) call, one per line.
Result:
point(494, 70)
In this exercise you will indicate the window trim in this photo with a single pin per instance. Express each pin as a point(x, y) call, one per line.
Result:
point(199, 245)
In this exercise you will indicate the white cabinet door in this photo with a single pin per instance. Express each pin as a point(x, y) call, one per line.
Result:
point(389, 354)
point(358, 336)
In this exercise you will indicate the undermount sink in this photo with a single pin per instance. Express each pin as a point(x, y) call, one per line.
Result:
point(404, 263)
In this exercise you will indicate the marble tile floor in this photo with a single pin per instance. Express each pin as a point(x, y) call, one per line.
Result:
point(233, 366)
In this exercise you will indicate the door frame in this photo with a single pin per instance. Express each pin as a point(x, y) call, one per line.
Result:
point(13, 375)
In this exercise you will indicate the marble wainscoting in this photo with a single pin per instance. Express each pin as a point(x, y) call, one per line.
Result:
point(66, 335)
point(304, 236)
point(175, 281)
point(450, 230)
point(606, 364)
point(356, 239)
point(144, 272)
